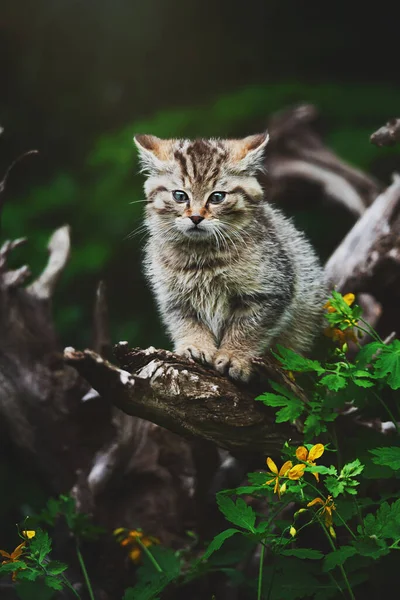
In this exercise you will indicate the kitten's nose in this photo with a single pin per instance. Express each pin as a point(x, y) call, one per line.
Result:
point(196, 219)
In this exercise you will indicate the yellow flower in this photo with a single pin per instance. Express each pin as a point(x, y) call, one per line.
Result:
point(328, 506)
point(310, 456)
point(292, 531)
point(348, 298)
point(29, 534)
point(131, 537)
point(13, 557)
point(15, 554)
point(286, 471)
point(337, 335)
point(135, 555)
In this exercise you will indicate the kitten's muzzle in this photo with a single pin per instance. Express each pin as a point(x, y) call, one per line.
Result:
point(196, 219)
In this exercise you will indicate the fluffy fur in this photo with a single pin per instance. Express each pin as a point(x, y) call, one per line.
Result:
point(242, 278)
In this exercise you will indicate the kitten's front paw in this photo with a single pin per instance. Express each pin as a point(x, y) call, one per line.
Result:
point(237, 367)
point(203, 355)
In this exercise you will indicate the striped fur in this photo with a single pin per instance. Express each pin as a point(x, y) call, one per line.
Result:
point(241, 280)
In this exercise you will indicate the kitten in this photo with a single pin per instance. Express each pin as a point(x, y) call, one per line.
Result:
point(231, 275)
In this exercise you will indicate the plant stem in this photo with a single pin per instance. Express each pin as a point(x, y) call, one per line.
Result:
point(149, 555)
point(71, 587)
point(338, 514)
point(389, 412)
point(345, 524)
point(336, 444)
point(276, 512)
point(260, 572)
point(370, 331)
point(359, 515)
point(341, 567)
point(84, 571)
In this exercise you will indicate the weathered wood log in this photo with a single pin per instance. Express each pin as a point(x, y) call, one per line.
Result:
point(388, 135)
point(297, 154)
point(185, 398)
point(368, 259)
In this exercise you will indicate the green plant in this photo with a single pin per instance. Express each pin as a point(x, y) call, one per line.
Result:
point(360, 533)
point(30, 564)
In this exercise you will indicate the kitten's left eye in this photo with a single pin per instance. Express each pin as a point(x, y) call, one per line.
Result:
point(180, 196)
point(217, 197)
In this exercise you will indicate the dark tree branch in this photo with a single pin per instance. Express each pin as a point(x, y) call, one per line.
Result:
point(388, 135)
point(101, 330)
point(368, 259)
point(183, 397)
point(296, 152)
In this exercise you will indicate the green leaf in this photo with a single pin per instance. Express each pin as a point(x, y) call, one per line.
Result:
point(344, 312)
point(314, 425)
point(387, 365)
point(334, 382)
point(291, 579)
point(345, 482)
point(389, 456)
point(282, 390)
point(338, 557)
point(385, 523)
point(12, 566)
point(53, 582)
point(293, 406)
point(258, 478)
point(352, 469)
point(334, 486)
point(239, 514)
point(218, 541)
point(306, 553)
point(371, 547)
point(292, 361)
point(28, 574)
point(289, 413)
point(34, 590)
point(55, 567)
point(361, 373)
point(364, 383)
point(147, 589)
point(346, 508)
point(364, 357)
point(246, 489)
point(40, 546)
point(168, 559)
point(322, 470)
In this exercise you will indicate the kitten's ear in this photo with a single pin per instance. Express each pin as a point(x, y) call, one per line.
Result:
point(154, 152)
point(249, 153)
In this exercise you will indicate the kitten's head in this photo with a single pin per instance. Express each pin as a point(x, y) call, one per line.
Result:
point(202, 190)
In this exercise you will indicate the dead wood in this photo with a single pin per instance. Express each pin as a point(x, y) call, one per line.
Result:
point(298, 156)
point(388, 135)
point(368, 259)
point(184, 397)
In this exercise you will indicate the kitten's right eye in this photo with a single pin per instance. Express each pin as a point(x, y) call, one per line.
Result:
point(180, 196)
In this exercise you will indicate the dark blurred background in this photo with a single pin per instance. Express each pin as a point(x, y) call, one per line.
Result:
point(80, 77)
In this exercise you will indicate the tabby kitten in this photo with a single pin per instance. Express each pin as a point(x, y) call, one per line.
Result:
point(232, 276)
